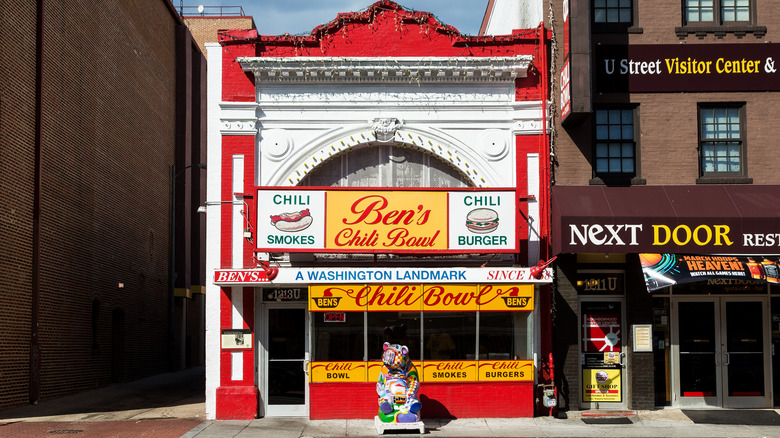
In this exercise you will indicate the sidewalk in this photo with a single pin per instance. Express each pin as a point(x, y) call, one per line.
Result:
point(163, 406)
point(173, 405)
point(660, 423)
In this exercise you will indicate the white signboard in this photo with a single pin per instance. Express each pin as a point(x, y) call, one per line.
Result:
point(508, 274)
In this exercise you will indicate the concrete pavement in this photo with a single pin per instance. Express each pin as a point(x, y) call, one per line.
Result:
point(163, 406)
point(661, 423)
point(173, 405)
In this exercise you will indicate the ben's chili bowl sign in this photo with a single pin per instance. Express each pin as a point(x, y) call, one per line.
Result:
point(416, 297)
point(367, 221)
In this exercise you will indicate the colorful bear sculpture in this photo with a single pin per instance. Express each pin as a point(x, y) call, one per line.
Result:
point(397, 386)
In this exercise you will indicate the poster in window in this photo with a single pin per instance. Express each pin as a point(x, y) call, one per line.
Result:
point(601, 385)
point(602, 332)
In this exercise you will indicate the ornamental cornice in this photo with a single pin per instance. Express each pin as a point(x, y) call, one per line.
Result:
point(238, 118)
point(400, 70)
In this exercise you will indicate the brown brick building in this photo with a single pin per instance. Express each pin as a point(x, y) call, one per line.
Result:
point(666, 203)
point(97, 103)
point(205, 23)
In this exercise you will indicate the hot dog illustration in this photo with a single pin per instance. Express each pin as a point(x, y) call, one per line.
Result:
point(292, 222)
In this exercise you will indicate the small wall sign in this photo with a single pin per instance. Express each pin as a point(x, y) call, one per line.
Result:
point(643, 338)
point(236, 339)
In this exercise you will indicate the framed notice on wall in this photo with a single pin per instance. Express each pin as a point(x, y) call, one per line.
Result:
point(643, 338)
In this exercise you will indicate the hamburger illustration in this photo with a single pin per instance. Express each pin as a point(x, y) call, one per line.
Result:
point(292, 222)
point(482, 220)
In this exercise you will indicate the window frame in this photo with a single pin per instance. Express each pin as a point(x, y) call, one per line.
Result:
point(718, 26)
point(521, 333)
point(717, 14)
point(716, 177)
point(615, 178)
point(615, 27)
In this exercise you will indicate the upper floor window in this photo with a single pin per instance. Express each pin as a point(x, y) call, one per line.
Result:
point(612, 11)
point(719, 18)
point(722, 141)
point(615, 144)
point(717, 11)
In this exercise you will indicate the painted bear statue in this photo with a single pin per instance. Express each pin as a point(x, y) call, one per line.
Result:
point(397, 386)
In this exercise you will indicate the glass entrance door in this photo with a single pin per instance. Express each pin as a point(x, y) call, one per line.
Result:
point(603, 363)
point(287, 357)
point(721, 352)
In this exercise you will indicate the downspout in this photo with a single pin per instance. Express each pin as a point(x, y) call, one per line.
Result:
point(35, 347)
point(550, 389)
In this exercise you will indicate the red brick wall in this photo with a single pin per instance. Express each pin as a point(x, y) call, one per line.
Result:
point(108, 136)
point(669, 131)
point(439, 400)
point(17, 122)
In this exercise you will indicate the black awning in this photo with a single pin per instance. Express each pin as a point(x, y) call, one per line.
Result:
point(701, 219)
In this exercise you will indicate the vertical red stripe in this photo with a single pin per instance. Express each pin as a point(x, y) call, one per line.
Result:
point(225, 313)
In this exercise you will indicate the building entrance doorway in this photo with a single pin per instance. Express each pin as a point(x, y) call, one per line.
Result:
point(286, 376)
point(604, 366)
point(720, 348)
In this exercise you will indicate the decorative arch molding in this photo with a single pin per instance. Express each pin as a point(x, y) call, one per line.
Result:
point(468, 161)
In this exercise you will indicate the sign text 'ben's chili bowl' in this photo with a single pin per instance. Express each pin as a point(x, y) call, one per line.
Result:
point(400, 221)
point(416, 297)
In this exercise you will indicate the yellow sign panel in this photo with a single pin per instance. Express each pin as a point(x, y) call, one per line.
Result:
point(451, 297)
point(505, 370)
point(393, 297)
point(450, 371)
point(393, 220)
point(601, 385)
point(430, 371)
point(374, 368)
point(342, 298)
point(326, 372)
point(506, 297)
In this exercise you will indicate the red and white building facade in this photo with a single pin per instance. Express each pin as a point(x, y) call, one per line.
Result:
point(381, 179)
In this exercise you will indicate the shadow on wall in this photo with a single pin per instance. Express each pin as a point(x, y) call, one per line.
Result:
point(432, 408)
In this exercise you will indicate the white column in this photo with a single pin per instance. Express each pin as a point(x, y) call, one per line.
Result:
point(213, 181)
point(532, 164)
point(237, 318)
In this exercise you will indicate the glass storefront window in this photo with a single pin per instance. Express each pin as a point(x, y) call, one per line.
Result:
point(340, 341)
point(430, 336)
point(396, 328)
point(505, 335)
point(449, 336)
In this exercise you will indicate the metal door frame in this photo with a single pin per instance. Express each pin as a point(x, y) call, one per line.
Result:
point(262, 360)
point(722, 400)
point(625, 388)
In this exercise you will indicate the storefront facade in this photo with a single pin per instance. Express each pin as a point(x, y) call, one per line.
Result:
point(676, 290)
point(664, 128)
point(380, 180)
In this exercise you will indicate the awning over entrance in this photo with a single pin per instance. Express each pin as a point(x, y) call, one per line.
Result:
point(702, 219)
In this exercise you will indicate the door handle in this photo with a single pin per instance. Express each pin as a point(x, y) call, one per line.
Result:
point(621, 357)
point(306, 363)
point(728, 358)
